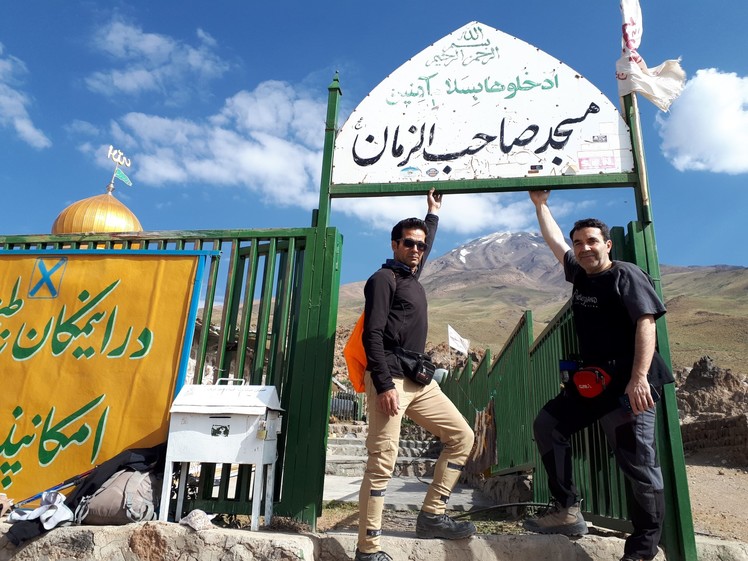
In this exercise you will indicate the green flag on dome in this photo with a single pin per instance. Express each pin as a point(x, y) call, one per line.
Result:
point(119, 174)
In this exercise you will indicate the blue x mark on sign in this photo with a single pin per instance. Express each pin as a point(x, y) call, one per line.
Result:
point(49, 279)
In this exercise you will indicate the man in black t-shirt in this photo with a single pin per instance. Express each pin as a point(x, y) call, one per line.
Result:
point(615, 307)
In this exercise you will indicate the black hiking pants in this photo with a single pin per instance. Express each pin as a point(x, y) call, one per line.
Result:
point(632, 439)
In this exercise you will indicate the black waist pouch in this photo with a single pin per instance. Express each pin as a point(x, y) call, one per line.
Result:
point(416, 366)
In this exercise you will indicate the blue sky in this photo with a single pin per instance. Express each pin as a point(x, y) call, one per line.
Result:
point(220, 107)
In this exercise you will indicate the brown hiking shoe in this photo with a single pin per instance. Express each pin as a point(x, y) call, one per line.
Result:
point(558, 520)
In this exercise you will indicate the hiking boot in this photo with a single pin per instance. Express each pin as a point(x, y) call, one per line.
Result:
point(376, 556)
point(558, 520)
point(442, 526)
point(632, 557)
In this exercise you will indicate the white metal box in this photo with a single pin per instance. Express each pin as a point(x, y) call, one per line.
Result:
point(224, 424)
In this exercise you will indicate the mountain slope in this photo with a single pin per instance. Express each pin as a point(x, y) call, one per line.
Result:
point(483, 287)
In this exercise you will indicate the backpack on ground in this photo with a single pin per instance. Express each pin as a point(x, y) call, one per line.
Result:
point(127, 496)
point(123, 489)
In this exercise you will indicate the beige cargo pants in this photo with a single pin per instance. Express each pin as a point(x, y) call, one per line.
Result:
point(432, 410)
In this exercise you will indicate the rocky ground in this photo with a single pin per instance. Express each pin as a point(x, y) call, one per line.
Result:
point(718, 489)
point(718, 479)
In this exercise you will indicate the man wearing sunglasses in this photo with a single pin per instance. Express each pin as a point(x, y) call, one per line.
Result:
point(396, 319)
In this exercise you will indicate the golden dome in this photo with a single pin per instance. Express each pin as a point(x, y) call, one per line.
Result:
point(101, 213)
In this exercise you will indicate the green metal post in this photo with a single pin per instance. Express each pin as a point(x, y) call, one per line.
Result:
point(678, 537)
point(322, 216)
point(310, 382)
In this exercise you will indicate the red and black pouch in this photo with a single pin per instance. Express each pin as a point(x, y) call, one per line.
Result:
point(589, 381)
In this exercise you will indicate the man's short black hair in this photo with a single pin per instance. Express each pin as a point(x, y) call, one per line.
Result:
point(591, 223)
point(408, 224)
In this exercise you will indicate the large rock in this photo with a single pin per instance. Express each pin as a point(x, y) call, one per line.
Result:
point(162, 541)
point(158, 541)
point(707, 391)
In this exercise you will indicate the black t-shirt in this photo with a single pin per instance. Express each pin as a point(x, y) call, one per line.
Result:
point(606, 308)
point(395, 315)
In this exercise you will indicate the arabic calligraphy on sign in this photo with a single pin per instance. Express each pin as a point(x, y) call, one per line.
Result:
point(86, 337)
point(557, 136)
point(471, 46)
point(484, 105)
point(29, 336)
point(429, 88)
point(48, 438)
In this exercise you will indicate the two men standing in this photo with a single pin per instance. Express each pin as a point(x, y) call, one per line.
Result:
point(615, 307)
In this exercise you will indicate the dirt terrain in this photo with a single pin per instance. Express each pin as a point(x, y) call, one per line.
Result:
point(717, 479)
point(718, 490)
point(719, 496)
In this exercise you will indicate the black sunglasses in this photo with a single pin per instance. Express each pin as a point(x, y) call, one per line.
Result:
point(410, 244)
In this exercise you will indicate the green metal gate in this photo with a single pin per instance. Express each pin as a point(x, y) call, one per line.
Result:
point(276, 326)
point(641, 249)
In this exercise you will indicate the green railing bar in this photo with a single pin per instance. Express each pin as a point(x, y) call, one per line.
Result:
point(56, 241)
point(321, 217)
point(281, 313)
point(263, 314)
point(555, 182)
point(228, 313)
point(251, 257)
point(210, 293)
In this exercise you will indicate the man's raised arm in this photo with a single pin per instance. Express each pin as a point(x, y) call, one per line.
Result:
point(550, 230)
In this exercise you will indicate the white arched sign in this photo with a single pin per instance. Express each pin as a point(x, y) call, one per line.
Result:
point(481, 104)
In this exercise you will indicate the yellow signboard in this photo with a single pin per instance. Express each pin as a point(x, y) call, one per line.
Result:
point(93, 345)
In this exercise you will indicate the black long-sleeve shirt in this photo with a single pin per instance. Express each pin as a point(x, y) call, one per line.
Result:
point(395, 314)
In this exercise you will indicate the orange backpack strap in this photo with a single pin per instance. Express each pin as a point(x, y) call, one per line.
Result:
point(355, 356)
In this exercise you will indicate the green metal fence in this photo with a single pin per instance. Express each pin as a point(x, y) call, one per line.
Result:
point(526, 374)
point(275, 323)
point(505, 382)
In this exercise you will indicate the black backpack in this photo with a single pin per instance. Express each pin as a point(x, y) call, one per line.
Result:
point(138, 459)
point(135, 459)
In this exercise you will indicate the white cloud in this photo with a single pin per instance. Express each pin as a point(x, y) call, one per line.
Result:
point(276, 108)
point(14, 102)
point(268, 108)
point(309, 120)
point(206, 38)
point(149, 62)
point(78, 126)
point(267, 141)
point(707, 128)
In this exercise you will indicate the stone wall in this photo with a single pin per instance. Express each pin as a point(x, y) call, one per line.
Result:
point(729, 434)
